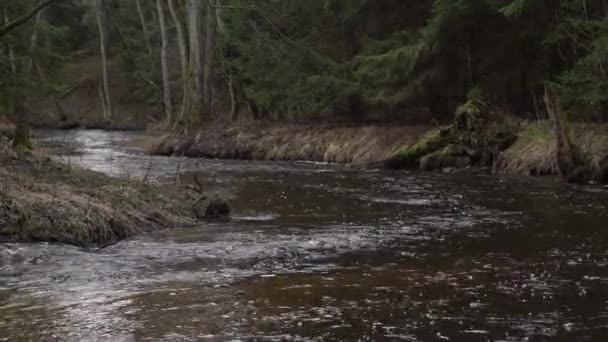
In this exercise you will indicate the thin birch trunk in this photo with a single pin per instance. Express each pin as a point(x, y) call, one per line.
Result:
point(221, 25)
point(144, 26)
point(29, 68)
point(100, 14)
point(209, 61)
point(163, 62)
point(196, 53)
point(183, 54)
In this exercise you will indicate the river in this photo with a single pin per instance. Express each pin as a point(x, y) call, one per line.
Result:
point(322, 252)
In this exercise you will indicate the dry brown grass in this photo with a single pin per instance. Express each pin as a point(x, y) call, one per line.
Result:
point(6, 129)
point(534, 151)
point(41, 200)
point(259, 141)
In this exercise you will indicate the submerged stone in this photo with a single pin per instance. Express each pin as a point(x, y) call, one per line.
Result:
point(212, 208)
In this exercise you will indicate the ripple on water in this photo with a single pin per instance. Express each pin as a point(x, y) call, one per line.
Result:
point(320, 252)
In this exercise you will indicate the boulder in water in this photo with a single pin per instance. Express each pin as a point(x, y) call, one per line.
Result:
point(213, 208)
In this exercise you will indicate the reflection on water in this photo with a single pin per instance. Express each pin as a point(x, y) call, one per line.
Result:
point(323, 252)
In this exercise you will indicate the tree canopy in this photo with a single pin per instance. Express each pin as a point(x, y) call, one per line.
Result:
point(299, 60)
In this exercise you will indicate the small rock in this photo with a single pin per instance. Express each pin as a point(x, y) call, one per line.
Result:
point(212, 208)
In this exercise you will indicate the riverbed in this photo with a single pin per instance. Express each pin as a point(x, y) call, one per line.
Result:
point(322, 252)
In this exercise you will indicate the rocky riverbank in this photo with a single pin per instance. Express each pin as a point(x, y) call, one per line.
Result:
point(506, 146)
point(42, 200)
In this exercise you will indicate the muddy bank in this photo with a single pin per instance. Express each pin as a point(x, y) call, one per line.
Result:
point(258, 141)
point(45, 201)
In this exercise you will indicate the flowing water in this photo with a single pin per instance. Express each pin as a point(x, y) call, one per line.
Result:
point(323, 252)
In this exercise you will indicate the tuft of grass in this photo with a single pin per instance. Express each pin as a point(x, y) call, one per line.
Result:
point(45, 201)
point(534, 151)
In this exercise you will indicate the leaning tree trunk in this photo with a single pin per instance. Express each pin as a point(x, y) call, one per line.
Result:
point(167, 105)
point(183, 56)
point(8, 27)
point(565, 152)
point(210, 42)
point(144, 26)
point(33, 45)
point(100, 14)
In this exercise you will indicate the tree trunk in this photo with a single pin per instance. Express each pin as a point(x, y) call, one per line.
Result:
point(100, 14)
point(29, 68)
point(167, 105)
point(144, 26)
point(194, 90)
point(183, 54)
point(10, 78)
point(565, 154)
point(210, 42)
point(221, 25)
point(22, 140)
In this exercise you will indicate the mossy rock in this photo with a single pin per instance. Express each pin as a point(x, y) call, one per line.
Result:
point(212, 208)
point(454, 150)
point(408, 156)
point(445, 158)
point(22, 140)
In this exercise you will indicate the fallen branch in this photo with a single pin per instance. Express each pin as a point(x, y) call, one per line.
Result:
point(24, 19)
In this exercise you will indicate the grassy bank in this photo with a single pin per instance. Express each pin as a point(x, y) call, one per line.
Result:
point(506, 144)
point(534, 151)
point(261, 141)
point(45, 201)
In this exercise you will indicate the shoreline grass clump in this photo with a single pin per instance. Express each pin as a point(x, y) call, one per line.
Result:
point(42, 200)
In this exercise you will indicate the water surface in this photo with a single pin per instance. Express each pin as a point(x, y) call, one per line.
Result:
point(323, 252)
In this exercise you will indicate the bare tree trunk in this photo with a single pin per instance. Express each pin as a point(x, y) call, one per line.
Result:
point(194, 90)
point(11, 51)
point(234, 110)
point(565, 154)
point(100, 14)
point(168, 107)
point(210, 42)
point(144, 26)
point(10, 78)
point(221, 25)
point(29, 68)
point(183, 54)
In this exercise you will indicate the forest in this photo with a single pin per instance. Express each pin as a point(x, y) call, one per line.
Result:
point(195, 61)
point(303, 170)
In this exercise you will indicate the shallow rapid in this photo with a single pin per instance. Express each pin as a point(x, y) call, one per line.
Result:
point(322, 252)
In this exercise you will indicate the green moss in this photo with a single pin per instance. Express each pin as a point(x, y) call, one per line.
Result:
point(452, 156)
point(453, 150)
point(408, 156)
point(22, 140)
point(535, 132)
